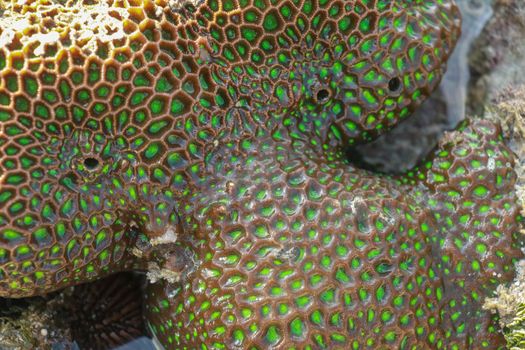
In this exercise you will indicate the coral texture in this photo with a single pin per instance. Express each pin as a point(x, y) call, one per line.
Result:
point(207, 146)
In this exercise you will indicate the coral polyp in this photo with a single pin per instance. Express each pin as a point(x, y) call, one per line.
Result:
point(206, 144)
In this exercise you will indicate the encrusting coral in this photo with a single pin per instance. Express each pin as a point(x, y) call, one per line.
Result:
point(207, 145)
point(509, 301)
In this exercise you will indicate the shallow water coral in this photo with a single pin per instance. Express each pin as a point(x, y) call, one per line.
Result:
point(208, 146)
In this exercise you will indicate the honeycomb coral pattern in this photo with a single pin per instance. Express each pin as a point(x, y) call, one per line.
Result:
point(96, 143)
point(347, 260)
point(206, 144)
point(335, 265)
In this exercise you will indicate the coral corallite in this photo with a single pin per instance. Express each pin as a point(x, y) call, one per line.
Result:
point(207, 145)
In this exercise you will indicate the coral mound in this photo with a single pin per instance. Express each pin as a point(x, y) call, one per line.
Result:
point(207, 146)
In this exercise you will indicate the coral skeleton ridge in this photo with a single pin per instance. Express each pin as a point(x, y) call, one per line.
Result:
point(206, 144)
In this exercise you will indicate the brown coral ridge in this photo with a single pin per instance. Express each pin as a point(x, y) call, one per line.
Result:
point(208, 147)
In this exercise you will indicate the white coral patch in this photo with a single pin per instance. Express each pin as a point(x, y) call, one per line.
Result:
point(83, 25)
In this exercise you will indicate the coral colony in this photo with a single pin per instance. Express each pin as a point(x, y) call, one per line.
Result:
point(206, 145)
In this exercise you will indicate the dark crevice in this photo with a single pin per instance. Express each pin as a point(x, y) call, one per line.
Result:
point(356, 158)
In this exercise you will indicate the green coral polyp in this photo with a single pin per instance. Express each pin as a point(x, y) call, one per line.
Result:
point(209, 142)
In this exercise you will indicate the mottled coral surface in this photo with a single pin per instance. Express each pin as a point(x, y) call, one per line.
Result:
point(208, 146)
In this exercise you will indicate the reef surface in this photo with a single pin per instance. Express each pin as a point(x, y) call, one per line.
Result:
point(208, 146)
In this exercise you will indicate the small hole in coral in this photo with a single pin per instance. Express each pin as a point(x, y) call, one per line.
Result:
point(323, 95)
point(394, 84)
point(91, 163)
